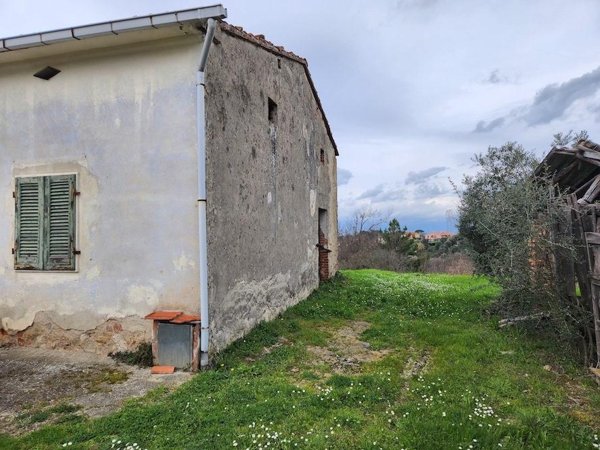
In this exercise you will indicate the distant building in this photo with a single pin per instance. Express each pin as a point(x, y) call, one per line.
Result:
point(438, 236)
point(416, 235)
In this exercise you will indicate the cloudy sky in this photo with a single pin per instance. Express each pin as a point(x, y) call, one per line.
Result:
point(412, 88)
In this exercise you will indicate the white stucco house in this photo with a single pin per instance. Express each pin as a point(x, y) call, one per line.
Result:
point(170, 166)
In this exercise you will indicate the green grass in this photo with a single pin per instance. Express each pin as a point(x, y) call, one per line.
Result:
point(61, 412)
point(445, 378)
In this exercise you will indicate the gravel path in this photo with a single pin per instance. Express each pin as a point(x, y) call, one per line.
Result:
point(34, 382)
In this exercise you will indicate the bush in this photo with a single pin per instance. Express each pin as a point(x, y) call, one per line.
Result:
point(512, 221)
point(454, 264)
point(141, 357)
point(366, 251)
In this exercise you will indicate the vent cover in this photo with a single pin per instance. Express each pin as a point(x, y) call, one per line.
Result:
point(46, 73)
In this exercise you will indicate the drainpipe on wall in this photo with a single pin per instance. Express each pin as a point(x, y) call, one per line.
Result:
point(202, 235)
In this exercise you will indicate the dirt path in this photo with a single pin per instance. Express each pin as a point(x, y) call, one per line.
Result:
point(49, 386)
point(346, 352)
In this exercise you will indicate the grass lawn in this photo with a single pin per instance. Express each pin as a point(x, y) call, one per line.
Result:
point(371, 360)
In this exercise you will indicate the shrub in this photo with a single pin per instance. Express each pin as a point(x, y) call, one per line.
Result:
point(141, 357)
point(512, 221)
point(453, 263)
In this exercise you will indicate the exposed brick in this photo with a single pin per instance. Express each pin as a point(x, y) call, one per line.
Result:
point(323, 257)
point(162, 370)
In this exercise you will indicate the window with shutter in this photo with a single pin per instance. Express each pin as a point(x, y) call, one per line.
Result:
point(29, 215)
point(45, 223)
point(60, 202)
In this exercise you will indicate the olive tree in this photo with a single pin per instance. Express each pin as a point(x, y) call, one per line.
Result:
point(515, 224)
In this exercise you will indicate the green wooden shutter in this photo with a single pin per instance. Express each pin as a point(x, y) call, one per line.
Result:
point(59, 248)
point(29, 198)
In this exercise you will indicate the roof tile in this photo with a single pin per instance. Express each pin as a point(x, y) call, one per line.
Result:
point(163, 315)
point(186, 318)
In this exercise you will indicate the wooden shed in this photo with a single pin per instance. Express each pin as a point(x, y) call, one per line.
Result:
point(575, 171)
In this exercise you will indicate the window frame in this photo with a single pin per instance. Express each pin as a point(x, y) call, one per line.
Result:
point(44, 179)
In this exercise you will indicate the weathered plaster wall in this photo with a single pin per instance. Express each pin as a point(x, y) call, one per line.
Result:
point(263, 199)
point(123, 119)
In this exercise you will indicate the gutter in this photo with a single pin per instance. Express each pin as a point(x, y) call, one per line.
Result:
point(112, 28)
point(202, 234)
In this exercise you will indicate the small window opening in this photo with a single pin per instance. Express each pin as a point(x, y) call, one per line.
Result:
point(279, 63)
point(322, 157)
point(46, 73)
point(272, 111)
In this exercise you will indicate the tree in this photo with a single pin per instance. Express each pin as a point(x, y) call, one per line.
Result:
point(564, 139)
point(510, 220)
point(495, 209)
point(412, 251)
point(365, 219)
point(395, 238)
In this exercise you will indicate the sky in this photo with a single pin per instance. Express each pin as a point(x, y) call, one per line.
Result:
point(412, 88)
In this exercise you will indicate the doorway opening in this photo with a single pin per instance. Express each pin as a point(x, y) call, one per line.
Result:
point(323, 246)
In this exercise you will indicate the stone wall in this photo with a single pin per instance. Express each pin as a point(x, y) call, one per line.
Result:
point(266, 184)
point(125, 333)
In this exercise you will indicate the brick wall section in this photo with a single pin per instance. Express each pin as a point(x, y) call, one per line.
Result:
point(323, 257)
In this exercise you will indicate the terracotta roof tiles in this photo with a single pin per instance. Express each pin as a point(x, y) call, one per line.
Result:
point(177, 317)
point(163, 315)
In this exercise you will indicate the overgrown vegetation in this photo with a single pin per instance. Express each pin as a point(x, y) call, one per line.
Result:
point(514, 223)
point(60, 413)
point(390, 248)
point(395, 248)
point(439, 375)
point(141, 356)
point(364, 250)
point(449, 256)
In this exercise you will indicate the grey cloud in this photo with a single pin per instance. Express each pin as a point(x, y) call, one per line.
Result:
point(421, 176)
point(595, 111)
point(379, 194)
point(371, 193)
point(551, 102)
point(485, 127)
point(420, 4)
point(343, 176)
point(496, 78)
point(429, 190)
point(387, 196)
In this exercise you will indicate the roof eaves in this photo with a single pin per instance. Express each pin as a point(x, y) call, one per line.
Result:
point(584, 150)
point(113, 27)
point(260, 41)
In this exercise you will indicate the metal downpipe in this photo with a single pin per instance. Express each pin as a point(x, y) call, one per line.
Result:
point(202, 232)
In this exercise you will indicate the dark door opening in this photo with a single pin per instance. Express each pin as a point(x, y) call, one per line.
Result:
point(323, 246)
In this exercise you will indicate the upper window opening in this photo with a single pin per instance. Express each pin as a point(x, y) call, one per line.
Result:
point(46, 73)
point(272, 111)
point(322, 157)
